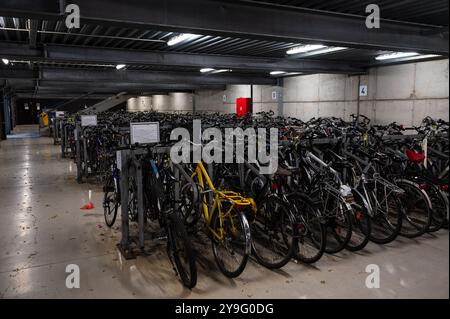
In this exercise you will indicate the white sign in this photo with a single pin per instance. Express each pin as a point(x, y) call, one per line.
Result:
point(59, 114)
point(27, 107)
point(363, 90)
point(119, 159)
point(224, 98)
point(144, 133)
point(274, 95)
point(88, 120)
point(38, 106)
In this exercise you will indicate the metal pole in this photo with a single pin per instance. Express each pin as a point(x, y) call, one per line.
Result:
point(358, 100)
point(140, 198)
point(78, 153)
point(124, 187)
point(176, 174)
point(85, 154)
point(63, 141)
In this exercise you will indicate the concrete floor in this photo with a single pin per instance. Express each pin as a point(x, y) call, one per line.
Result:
point(42, 230)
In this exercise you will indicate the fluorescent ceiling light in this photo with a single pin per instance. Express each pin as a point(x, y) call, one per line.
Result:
point(5, 61)
point(395, 55)
point(181, 38)
point(120, 66)
point(277, 72)
point(328, 50)
point(305, 48)
point(206, 70)
point(423, 56)
point(283, 73)
point(222, 71)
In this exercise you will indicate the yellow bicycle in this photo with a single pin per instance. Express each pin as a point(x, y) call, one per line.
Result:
point(226, 223)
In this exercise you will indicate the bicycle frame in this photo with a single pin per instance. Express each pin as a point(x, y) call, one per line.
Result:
point(232, 197)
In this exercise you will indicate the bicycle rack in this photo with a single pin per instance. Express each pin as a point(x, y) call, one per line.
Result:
point(131, 168)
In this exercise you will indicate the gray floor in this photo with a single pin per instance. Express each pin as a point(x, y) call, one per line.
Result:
point(42, 230)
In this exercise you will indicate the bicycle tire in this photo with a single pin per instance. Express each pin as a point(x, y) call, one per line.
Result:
point(439, 208)
point(385, 226)
point(181, 251)
point(361, 224)
point(244, 237)
point(273, 237)
point(310, 231)
point(338, 231)
point(110, 196)
point(415, 223)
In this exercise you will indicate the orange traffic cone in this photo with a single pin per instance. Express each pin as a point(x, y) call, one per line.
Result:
point(88, 206)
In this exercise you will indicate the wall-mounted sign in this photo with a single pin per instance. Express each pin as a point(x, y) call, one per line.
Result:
point(88, 120)
point(224, 98)
point(59, 114)
point(274, 95)
point(363, 90)
point(144, 133)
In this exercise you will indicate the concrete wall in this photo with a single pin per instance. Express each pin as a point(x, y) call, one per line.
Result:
point(173, 102)
point(139, 104)
point(407, 93)
point(220, 101)
point(404, 93)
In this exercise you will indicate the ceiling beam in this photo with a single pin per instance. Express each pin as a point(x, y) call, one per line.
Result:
point(246, 20)
point(150, 77)
point(78, 54)
point(13, 73)
point(57, 96)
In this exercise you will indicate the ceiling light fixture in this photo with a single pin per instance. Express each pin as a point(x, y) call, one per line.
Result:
point(206, 70)
point(305, 48)
point(222, 71)
point(120, 66)
point(277, 72)
point(423, 56)
point(181, 38)
point(5, 61)
point(327, 50)
point(395, 55)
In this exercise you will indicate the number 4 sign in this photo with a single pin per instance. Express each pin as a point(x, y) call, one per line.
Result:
point(363, 90)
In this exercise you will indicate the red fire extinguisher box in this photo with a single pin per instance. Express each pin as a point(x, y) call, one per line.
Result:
point(243, 106)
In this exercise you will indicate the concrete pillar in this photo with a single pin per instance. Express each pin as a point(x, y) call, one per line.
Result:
point(280, 98)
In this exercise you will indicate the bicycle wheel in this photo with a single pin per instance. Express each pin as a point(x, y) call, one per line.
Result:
point(181, 251)
point(273, 233)
point(439, 208)
point(361, 225)
point(416, 210)
point(110, 202)
point(386, 216)
point(338, 227)
point(310, 231)
point(231, 252)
